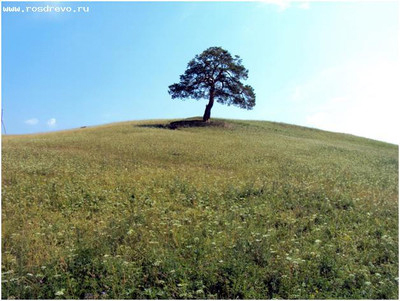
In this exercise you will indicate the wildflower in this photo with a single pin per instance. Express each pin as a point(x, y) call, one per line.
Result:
point(60, 292)
point(157, 263)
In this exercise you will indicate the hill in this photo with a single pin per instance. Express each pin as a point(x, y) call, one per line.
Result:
point(242, 209)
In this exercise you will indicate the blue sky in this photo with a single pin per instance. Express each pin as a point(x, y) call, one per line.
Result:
point(329, 65)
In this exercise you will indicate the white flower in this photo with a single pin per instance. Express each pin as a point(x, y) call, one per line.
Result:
point(60, 292)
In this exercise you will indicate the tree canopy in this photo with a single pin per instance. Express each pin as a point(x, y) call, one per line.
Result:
point(216, 75)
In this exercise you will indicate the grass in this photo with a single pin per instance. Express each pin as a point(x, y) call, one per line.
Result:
point(253, 210)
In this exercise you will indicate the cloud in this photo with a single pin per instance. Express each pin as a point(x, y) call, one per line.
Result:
point(367, 104)
point(32, 121)
point(51, 122)
point(304, 5)
point(282, 5)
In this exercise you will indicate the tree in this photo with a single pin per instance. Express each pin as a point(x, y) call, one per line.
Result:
point(216, 75)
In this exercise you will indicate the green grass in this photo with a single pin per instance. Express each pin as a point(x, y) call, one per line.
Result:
point(249, 210)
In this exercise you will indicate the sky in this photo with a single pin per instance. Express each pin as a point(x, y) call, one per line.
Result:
point(327, 65)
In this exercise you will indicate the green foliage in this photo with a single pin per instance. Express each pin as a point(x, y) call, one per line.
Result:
point(215, 74)
point(253, 210)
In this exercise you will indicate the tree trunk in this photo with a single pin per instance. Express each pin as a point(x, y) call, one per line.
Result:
point(207, 112)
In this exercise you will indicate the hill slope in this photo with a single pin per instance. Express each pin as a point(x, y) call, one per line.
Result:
point(244, 210)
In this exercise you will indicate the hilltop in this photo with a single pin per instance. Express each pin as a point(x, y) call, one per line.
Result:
point(239, 209)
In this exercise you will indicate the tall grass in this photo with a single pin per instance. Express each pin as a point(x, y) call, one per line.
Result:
point(246, 210)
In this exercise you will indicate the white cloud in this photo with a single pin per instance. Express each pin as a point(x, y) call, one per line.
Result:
point(51, 122)
point(285, 4)
point(304, 5)
point(281, 4)
point(32, 121)
point(368, 105)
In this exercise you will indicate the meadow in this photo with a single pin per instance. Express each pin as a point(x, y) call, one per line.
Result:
point(238, 209)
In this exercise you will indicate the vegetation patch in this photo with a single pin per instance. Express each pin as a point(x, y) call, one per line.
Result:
point(255, 210)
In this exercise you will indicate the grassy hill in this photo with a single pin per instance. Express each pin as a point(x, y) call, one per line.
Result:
point(241, 209)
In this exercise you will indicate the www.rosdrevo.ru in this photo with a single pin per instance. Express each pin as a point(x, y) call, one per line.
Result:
point(45, 9)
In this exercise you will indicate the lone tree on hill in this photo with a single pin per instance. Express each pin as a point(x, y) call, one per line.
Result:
point(215, 75)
